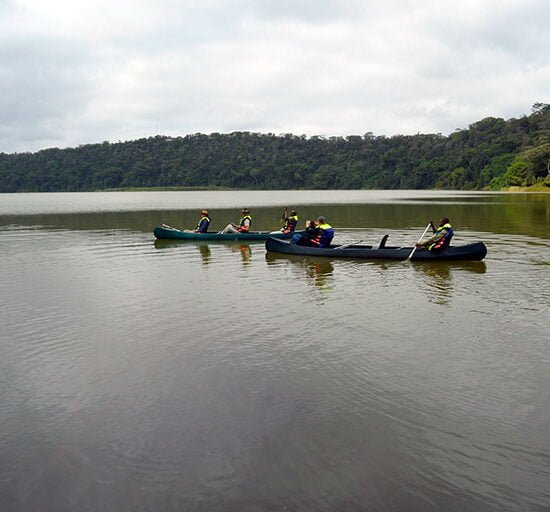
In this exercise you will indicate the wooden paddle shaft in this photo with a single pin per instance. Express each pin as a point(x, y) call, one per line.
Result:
point(419, 240)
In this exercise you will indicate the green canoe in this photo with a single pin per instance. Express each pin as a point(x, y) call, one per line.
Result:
point(170, 233)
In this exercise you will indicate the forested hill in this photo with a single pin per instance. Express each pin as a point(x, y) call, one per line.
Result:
point(491, 153)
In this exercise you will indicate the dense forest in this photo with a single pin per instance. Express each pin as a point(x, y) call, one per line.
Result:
point(491, 154)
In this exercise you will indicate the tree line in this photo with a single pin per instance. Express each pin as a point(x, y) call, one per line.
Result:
point(490, 154)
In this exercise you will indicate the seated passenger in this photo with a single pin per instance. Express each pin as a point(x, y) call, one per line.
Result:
point(204, 222)
point(202, 225)
point(318, 234)
point(243, 226)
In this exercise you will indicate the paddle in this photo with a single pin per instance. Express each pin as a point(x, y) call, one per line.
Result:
point(419, 240)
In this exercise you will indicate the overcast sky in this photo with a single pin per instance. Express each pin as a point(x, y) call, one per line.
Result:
point(83, 71)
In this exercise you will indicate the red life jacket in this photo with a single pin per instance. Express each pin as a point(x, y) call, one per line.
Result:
point(445, 240)
point(243, 227)
point(290, 225)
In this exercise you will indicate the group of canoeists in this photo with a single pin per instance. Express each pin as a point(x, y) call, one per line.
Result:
point(245, 223)
point(318, 232)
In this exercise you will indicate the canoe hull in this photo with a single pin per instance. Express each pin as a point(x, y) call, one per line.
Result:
point(169, 233)
point(470, 252)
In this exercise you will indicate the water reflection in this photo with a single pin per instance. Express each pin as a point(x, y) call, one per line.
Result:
point(438, 277)
point(204, 249)
point(317, 271)
point(244, 249)
point(166, 244)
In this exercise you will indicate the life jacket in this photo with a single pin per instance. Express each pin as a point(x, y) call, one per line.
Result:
point(243, 228)
point(291, 223)
point(324, 235)
point(201, 227)
point(445, 240)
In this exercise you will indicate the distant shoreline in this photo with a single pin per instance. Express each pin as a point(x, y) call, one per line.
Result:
point(532, 188)
point(165, 189)
point(538, 188)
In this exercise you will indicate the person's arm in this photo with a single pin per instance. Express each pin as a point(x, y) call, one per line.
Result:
point(433, 239)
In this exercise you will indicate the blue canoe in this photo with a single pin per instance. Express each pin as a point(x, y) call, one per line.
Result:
point(170, 233)
point(470, 252)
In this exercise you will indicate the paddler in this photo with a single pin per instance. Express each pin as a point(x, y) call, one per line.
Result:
point(291, 221)
point(442, 236)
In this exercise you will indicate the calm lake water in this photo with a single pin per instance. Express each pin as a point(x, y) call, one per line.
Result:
point(152, 376)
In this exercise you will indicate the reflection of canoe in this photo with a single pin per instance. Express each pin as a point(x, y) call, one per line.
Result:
point(471, 252)
point(167, 232)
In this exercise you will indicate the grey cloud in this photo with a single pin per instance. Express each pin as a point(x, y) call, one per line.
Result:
point(309, 11)
point(512, 28)
point(326, 67)
point(43, 84)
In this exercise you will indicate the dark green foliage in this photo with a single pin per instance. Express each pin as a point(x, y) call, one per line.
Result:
point(491, 153)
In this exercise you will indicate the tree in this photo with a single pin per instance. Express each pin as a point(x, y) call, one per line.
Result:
point(517, 173)
point(538, 159)
point(539, 108)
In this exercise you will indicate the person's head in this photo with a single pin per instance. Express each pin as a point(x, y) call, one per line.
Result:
point(321, 220)
point(204, 213)
point(245, 211)
point(443, 221)
point(293, 212)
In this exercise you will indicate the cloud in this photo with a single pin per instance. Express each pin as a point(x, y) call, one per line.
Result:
point(79, 72)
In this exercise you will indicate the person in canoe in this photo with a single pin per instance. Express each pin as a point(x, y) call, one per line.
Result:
point(291, 221)
point(441, 238)
point(202, 225)
point(318, 234)
point(243, 226)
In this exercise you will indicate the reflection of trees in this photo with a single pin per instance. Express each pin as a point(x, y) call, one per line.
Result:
point(525, 214)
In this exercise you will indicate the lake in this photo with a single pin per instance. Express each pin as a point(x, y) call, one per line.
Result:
point(179, 376)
